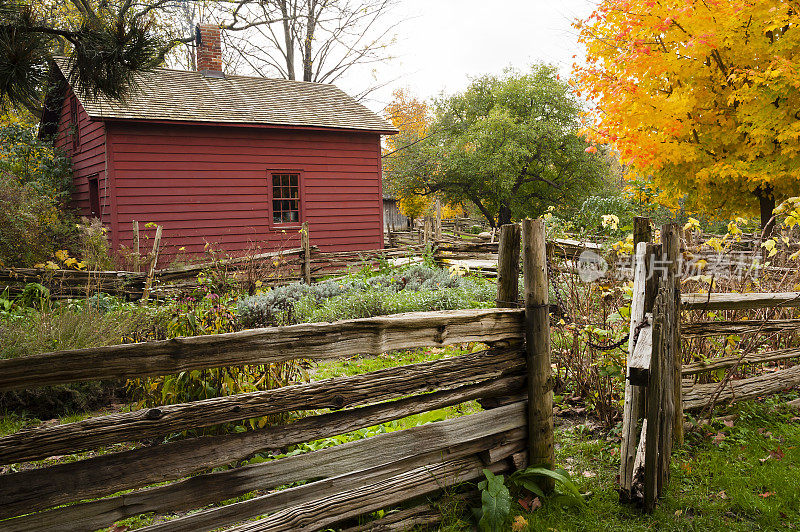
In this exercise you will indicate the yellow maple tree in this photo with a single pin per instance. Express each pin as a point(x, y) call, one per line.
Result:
point(411, 116)
point(702, 97)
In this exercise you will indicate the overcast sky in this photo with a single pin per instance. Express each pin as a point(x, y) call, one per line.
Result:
point(443, 43)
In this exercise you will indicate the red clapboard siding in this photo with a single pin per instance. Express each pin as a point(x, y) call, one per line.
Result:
point(88, 160)
point(209, 184)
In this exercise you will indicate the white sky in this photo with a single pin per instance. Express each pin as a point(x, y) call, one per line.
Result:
point(444, 43)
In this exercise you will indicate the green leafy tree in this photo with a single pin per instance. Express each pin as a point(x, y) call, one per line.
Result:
point(508, 145)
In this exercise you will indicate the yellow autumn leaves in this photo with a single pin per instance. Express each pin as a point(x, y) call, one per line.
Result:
point(698, 97)
point(62, 261)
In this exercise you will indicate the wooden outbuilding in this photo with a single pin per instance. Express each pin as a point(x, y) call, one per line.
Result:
point(231, 161)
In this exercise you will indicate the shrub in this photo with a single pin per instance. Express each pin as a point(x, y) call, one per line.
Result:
point(68, 327)
point(30, 223)
point(34, 182)
point(592, 210)
point(93, 247)
point(28, 331)
point(417, 288)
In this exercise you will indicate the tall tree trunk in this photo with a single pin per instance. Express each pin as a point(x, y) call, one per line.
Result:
point(504, 215)
point(288, 23)
point(311, 25)
point(486, 214)
point(766, 201)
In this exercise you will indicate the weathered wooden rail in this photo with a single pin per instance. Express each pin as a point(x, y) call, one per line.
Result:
point(699, 396)
point(153, 473)
point(656, 392)
point(292, 266)
point(481, 257)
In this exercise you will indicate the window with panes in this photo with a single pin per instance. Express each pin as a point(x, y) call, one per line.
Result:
point(285, 198)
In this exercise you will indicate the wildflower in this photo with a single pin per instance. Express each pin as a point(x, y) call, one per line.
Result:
point(610, 221)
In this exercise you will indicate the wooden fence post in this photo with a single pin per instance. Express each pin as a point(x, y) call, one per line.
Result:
point(305, 244)
point(537, 347)
point(641, 230)
point(508, 266)
point(644, 290)
point(670, 243)
point(152, 272)
point(437, 228)
point(632, 407)
point(135, 250)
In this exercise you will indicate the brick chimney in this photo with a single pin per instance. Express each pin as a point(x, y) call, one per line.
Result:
point(208, 39)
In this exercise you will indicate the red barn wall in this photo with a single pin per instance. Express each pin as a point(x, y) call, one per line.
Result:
point(88, 159)
point(206, 183)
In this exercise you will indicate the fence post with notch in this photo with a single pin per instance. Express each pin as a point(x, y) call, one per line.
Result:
point(537, 347)
point(671, 245)
point(508, 266)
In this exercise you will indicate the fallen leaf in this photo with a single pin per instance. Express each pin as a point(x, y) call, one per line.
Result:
point(519, 524)
point(728, 423)
point(766, 494)
point(526, 502)
point(119, 528)
point(678, 513)
point(589, 474)
point(722, 495)
point(777, 454)
point(536, 504)
point(719, 437)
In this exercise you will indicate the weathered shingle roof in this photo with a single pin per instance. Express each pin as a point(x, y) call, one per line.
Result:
point(189, 96)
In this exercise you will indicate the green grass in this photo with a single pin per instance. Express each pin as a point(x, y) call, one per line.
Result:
point(359, 365)
point(746, 479)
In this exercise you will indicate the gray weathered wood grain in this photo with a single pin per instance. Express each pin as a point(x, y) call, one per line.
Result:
point(390, 383)
point(639, 364)
point(37, 489)
point(739, 301)
point(700, 395)
point(541, 446)
point(386, 455)
point(322, 513)
point(712, 328)
point(263, 346)
point(394, 452)
point(731, 361)
point(633, 394)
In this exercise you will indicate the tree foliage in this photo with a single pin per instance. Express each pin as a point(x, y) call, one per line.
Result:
point(508, 145)
point(34, 181)
point(107, 43)
point(702, 96)
point(412, 117)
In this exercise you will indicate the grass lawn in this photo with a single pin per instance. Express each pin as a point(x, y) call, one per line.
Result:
point(740, 477)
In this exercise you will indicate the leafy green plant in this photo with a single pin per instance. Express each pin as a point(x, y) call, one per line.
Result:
point(34, 182)
point(495, 503)
point(416, 288)
point(496, 496)
point(565, 492)
point(93, 246)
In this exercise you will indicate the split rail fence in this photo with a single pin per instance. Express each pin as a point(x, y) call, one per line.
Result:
point(657, 389)
point(140, 472)
point(305, 263)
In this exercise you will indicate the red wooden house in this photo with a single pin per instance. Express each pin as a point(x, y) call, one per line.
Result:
point(237, 162)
